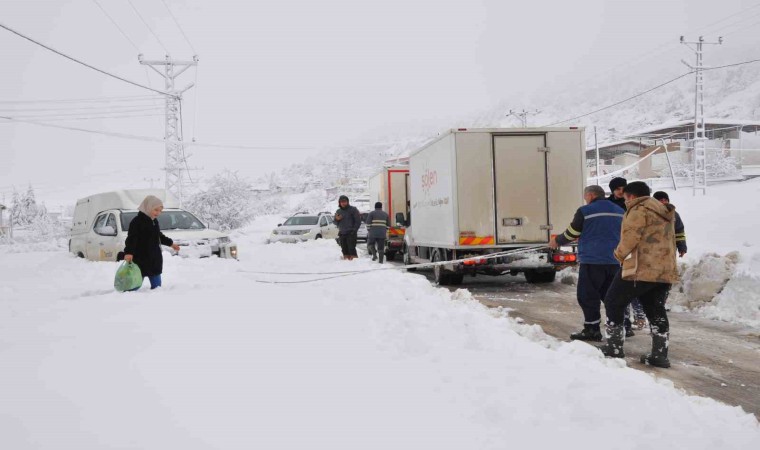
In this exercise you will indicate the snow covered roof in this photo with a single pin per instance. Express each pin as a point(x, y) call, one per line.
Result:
point(617, 143)
point(682, 126)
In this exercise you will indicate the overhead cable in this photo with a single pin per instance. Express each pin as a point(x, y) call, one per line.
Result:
point(623, 101)
point(116, 25)
point(148, 26)
point(84, 63)
point(179, 27)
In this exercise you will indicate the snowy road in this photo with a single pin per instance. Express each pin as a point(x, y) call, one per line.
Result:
point(710, 358)
point(216, 360)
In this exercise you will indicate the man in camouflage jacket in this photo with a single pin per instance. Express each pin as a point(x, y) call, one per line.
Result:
point(647, 253)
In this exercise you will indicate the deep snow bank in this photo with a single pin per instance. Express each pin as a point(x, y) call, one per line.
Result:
point(215, 359)
point(720, 273)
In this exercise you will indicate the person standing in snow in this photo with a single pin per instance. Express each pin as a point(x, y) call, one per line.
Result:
point(378, 223)
point(349, 221)
point(663, 198)
point(617, 185)
point(648, 257)
point(596, 226)
point(144, 240)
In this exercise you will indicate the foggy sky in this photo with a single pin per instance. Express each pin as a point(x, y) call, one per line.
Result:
point(305, 74)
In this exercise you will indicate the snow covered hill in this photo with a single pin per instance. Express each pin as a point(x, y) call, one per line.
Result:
point(221, 358)
point(730, 93)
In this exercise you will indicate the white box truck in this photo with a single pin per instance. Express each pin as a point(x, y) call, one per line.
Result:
point(476, 192)
point(391, 187)
point(101, 223)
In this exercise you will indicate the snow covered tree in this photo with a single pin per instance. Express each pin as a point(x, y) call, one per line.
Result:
point(226, 202)
point(718, 164)
point(25, 209)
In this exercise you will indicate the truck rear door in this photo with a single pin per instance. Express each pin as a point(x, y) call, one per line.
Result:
point(520, 171)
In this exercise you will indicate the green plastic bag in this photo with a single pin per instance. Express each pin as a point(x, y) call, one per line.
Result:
point(128, 277)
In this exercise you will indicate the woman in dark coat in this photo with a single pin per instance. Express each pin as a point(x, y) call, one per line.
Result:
point(144, 239)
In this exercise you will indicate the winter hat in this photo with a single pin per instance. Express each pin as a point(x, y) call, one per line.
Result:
point(378, 205)
point(617, 182)
point(342, 197)
point(149, 203)
point(660, 195)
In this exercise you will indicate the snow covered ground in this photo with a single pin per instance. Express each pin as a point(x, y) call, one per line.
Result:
point(215, 359)
point(725, 222)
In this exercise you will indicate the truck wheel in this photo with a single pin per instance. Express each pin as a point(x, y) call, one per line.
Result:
point(441, 277)
point(540, 276)
point(407, 258)
point(390, 256)
point(457, 279)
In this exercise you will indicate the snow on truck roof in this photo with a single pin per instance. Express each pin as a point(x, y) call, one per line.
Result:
point(506, 131)
point(128, 199)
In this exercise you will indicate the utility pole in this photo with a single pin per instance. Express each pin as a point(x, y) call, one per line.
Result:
point(596, 148)
point(522, 116)
point(175, 150)
point(700, 150)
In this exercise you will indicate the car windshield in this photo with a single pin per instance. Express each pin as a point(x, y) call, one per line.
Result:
point(302, 220)
point(168, 220)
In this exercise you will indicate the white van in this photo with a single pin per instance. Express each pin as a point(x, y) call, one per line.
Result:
point(101, 223)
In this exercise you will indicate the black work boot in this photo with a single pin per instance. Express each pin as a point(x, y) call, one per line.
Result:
point(382, 257)
point(659, 355)
point(588, 333)
point(614, 346)
point(629, 328)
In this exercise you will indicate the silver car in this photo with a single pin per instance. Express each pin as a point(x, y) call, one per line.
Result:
point(361, 235)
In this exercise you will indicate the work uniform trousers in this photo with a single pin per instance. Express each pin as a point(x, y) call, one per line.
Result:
point(376, 246)
point(651, 295)
point(593, 282)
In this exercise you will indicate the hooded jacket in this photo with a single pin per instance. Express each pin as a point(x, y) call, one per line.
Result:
point(350, 219)
point(144, 240)
point(647, 249)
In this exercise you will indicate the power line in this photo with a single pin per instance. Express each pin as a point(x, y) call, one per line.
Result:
point(743, 28)
point(82, 62)
point(85, 100)
point(80, 108)
point(85, 130)
point(665, 46)
point(623, 101)
point(148, 138)
point(32, 116)
point(729, 17)
point(117, 26)
point(148, 26)
point(179, 27)
point(732, 65)
point(101, 117)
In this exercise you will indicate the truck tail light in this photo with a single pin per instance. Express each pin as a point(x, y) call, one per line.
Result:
point(474, 261)
point(564, 257)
